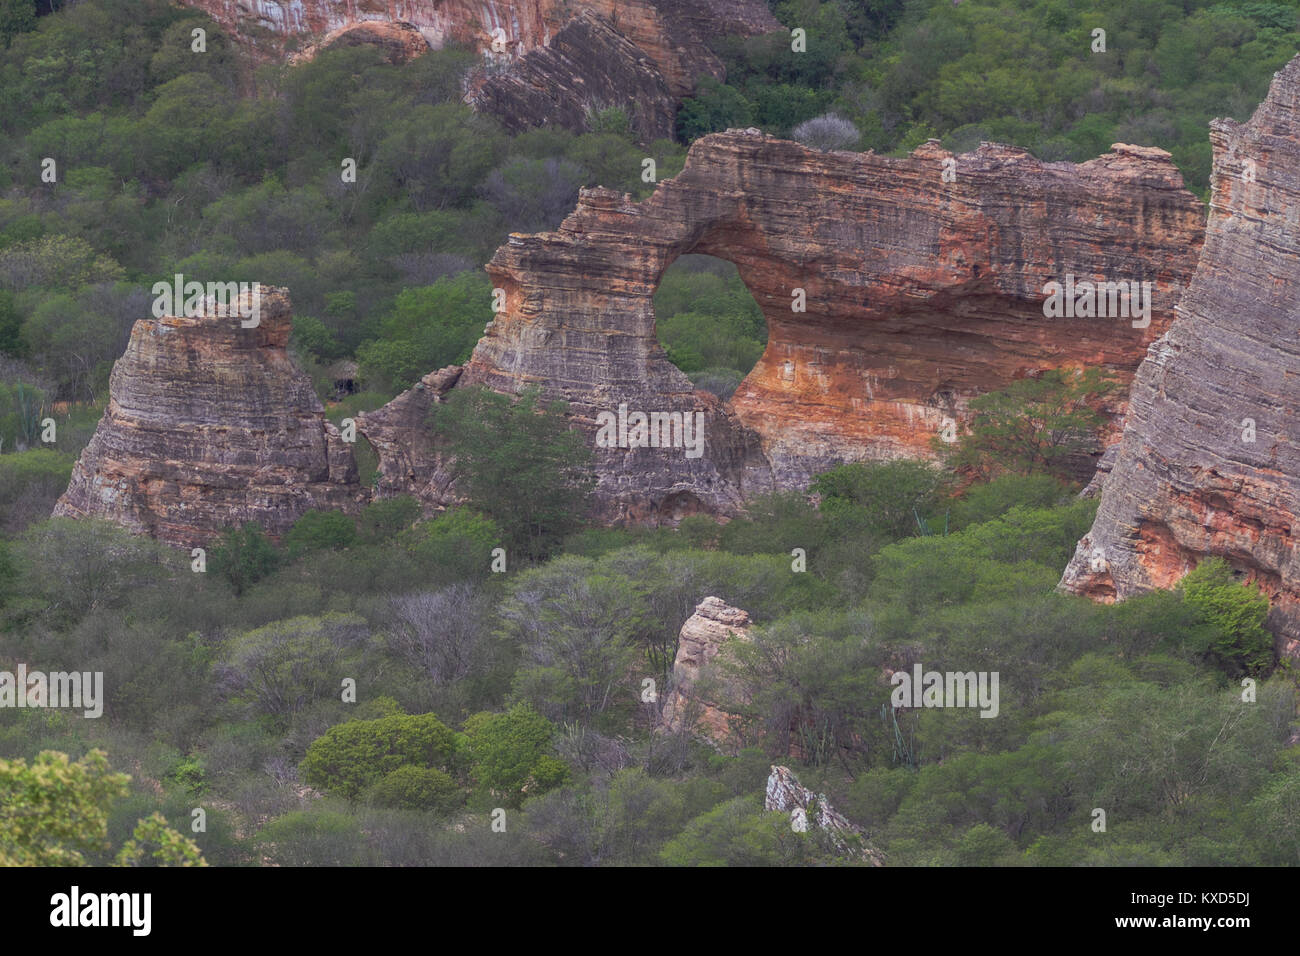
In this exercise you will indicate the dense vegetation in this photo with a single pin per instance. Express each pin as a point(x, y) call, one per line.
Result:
point(396, 690)
point(425, 698)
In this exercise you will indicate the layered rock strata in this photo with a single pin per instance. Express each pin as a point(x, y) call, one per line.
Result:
point(208, 425)
point(922, 281)
point(1209, 463)
point(410, 460)
point(545, 62)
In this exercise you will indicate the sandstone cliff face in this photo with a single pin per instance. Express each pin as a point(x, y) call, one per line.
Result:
point(266, 25)
point(410, 461)
point(210, 425)
point(398, 41)
point(546, 62)
point(920, 295)
point(588, 66)
point(1210, 462)
point(713, 624)
point(808, 810)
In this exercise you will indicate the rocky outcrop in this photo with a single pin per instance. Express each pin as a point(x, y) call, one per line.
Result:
point(398, 41)
point(587, 67)
point(271, 28)
point(1210, 459)
point(923, 278)
point(210, 424)
point(410, 461)
point(545, 62)
point(808, 810)
point(644, 56)
point(702, 636)
point(920, 294)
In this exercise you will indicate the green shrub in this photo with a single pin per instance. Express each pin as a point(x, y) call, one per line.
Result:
point(455, 546)
point(353, 756)
point(889, 499)
point(387, 518)
point(313, 838)
point(244, 556)
point(1237, 612)
point(511, 754)
point(320, 531)
point(417, 788)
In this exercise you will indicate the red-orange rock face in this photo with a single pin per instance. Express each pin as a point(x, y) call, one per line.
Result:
point(551, 60)
point(268, 24)
point(921, 293)
point(1210, 462)
point(210, 424)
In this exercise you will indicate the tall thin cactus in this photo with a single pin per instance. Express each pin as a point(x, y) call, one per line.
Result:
point(31, 407)
point(904, 749)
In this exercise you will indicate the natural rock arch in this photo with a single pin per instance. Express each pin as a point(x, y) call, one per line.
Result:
point(923, 291)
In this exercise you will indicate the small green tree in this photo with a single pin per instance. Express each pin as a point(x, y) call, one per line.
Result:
point(243, 556)
point(455, 546)
point(54, 812)
point(511, 753)
point(284, 667)
point(1043, 425)
point(313, 838)
point(738, 833)
point(418, 788)
point(16, 16)
point(320, 531)
point(714, 107)
point(518, 463)
point(429, 327)
point(1237, 612)
point(884, 497)
point(385, 519)
point(348, 758)
point(154, 843)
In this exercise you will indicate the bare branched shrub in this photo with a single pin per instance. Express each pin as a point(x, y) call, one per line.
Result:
point(440, 632)
point(827, 132)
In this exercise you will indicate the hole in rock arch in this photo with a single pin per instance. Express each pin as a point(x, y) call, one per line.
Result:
point(708, 322)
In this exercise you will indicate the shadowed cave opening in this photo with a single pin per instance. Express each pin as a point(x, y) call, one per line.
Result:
point(708, 322)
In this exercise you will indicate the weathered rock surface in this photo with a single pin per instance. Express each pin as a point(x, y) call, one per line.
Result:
point(410, 461)
point(713, 624)
point(785, 794)
point(921, 295)
point(398, 41)
point(546, 62)
point(1210, 462)
point(210, 425)
point(588, 66)
point(270, 27)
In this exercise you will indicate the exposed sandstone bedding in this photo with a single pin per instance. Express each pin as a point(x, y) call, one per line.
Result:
point(921, 294)
point(546, 62)
point(209, 425)
point(587, 67)
point(1210, 463)
point(271, 26)
point(409, 458)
